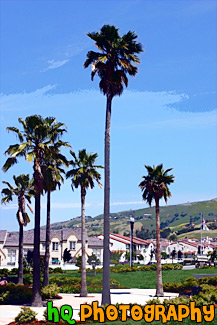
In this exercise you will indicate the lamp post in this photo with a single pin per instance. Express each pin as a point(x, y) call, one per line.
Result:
point(131, 240)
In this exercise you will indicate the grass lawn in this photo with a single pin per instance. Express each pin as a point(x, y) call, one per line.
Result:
point(145, 280)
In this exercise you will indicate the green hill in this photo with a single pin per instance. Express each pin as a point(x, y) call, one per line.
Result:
point(175, 217)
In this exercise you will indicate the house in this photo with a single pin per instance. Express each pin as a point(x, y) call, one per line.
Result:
point(69, 238)
point(190, 247)
point(3, 256)
point(122, 244)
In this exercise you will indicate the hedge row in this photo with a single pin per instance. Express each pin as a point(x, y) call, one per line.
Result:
point(146, 268)
point(181, 287)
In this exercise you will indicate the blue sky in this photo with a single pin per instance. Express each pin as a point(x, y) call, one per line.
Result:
point(167, 115)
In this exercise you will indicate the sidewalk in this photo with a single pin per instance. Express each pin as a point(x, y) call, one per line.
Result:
point(125, 296)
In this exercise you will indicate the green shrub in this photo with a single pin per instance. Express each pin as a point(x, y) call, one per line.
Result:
point(62, 280)
point(27, 279)
point(154, 301)
point(212, 280)
point(173, 287)
point(50, 291)
point(27, 270)
point(190, 282)
point(18, 294)
point(26, 315)
point(177, 266)
point(3, 297)
point(58, 270)
point(145, 268)
point(71, 288)
point(114, 284)
point(14, 271)
point(4, 272)
point(176, 301)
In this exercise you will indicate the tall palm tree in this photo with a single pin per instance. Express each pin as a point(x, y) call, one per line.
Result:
point(52, 171)
point(83, 175)
point(155, 187)
point(37, 134)
point(112, 64)
point(23, 191)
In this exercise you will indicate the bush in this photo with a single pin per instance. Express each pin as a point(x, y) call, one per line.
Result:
point(145, 268)
point(58, 270)
point(4, 272)
point(27, 270)
point(64, 280)
point(50, 291)
point(3, 297)
point(14, 271)
point(28, 280)
point(71, 288)
point(17, 294)
point(190, 282)
point(114, 284)
point(26, 315)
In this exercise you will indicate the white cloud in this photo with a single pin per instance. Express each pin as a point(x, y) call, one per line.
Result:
point(23, 101)
point(60, 205)
point(9, 206)
point(73, 50)
point(52, 64)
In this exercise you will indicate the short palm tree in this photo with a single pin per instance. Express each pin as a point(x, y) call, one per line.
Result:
point(53, 177)
point(155, 187)
point(23, 191)
point(83, 175)
point(114, 60)
point(37, 134)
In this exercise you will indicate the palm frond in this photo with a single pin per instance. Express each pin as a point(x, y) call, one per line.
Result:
point(9, 163)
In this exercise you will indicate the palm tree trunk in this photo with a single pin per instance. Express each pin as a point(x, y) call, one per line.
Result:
point(36, 290)
point(106, 298)
point(47, 249)
point(159, 289)
point(20, 258)
point(83, 259)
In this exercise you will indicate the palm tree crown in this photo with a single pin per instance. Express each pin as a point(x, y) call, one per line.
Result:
point(114, 61)
point(23, 190)
point(37, 134)
point(155, 184)
point(85, 171)
point(52, 166)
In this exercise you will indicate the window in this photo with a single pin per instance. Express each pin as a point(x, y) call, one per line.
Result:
point(55, 260)
point(11, 256)
point(127, 246)
point(72, 245)
point(25, 252)
point(43, 246)
point(55, 246)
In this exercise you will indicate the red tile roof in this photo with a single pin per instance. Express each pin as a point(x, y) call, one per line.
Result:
point(125, 239)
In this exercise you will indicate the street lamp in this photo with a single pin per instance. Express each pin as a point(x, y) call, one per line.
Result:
point(131, 240)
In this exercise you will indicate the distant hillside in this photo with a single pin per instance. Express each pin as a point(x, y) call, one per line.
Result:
point(175, 217)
